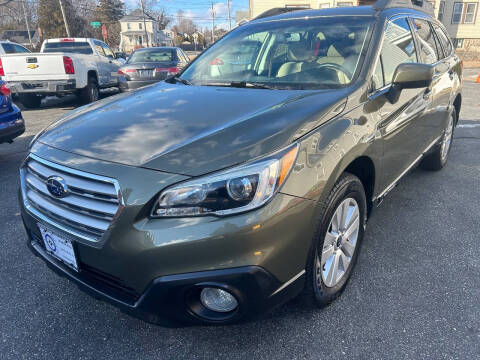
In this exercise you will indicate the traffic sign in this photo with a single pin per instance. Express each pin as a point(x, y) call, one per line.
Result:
point(95, 24)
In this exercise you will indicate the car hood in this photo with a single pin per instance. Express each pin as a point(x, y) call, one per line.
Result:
point(191, 130)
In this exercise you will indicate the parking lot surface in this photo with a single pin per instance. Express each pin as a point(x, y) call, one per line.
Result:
point(413, 295)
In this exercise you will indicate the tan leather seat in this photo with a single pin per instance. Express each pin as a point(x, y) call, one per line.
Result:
point(297, 55)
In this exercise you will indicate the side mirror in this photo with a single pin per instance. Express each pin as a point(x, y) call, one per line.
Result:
point(410, 76)
point(120, 55)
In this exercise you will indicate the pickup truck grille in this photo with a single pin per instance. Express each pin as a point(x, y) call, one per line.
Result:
point(87, 211)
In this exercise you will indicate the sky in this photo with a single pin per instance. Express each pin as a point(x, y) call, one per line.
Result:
point(199, 10)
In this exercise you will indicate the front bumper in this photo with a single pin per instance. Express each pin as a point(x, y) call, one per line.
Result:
point(173, 298)
point(149, 267)
point(43, 86)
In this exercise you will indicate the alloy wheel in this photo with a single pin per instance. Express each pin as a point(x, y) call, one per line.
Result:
point(339, 244)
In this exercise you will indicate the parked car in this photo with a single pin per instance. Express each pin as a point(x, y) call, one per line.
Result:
point(217, 195)
point(64, 66)
point(12, 124)
point(149, 65)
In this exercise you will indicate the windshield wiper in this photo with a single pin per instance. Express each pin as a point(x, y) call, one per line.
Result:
point(254, 85)
point(176, 78)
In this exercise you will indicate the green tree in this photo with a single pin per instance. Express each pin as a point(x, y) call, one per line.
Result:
point(109, 12)
point(50, 19)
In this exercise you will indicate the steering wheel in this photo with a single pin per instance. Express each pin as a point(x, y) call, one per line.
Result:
point(336, 67)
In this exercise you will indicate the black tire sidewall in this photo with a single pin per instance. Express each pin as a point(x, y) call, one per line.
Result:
point(348, 186)
point(87, 92)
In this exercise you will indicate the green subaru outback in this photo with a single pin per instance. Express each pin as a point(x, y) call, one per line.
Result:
point(248, 178)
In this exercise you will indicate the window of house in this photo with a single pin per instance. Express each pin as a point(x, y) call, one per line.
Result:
point(140, 26)
point(129, 27)
point(344, 4)
point(441, 10)
point(426, 39)
point(398, 48)
point(323, 5)
point(470, 12)
point(464, 13)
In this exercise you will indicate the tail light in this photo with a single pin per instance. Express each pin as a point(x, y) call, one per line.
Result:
point(67, 40)
point(169, 70)
point(5, 89)
point(2, 72)
point(130, 70)
point(68, 65)
point(120, 72)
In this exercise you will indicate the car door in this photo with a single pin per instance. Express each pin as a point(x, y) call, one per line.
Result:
point(103, 65)
point(431, 52)
point(400, 124)
point(113, 64)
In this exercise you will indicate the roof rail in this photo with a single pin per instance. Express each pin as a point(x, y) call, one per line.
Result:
point(421, 5)
point(278, 11)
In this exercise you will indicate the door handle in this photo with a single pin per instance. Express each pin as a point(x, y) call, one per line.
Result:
point(427, 94)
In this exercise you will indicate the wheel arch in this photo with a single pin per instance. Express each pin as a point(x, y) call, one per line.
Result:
point(457, 104)
point(92, 73)
point(363, 167)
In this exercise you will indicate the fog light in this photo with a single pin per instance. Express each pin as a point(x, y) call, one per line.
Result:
point(218, 300)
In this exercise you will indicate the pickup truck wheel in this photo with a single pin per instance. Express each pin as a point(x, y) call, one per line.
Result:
point(337, 241)
point(91, 92)
point(30, 101)
point(438, 158)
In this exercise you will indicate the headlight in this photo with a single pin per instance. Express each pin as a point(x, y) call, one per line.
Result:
point(228, 192)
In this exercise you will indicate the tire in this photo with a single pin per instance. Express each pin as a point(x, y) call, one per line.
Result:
point(438, 158)
point(30, 101)
point(321, 288)
point(91, 92)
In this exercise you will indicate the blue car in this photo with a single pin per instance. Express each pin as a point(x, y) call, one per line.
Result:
point(12, 124)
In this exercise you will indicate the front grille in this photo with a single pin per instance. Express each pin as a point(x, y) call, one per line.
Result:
point(86, 212)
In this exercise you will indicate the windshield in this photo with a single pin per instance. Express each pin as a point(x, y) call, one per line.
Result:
point(320, 52)
point(71, 47)
point(157, 55)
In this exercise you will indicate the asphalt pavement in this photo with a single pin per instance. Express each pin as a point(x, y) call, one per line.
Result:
point(415, 293)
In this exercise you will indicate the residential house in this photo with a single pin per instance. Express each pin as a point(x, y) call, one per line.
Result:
point(462, 20)
point(137, 32)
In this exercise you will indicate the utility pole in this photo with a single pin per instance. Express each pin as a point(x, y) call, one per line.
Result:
point(64, 18)
point(229, 17)
point(144, 22)
point(213, 23)
point(28, 26)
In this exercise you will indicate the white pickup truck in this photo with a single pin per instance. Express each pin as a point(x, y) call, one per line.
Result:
point(63, 66)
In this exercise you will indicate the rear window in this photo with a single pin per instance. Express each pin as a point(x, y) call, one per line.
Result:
point(151, 56)
point(71, 47)
point(14, 48)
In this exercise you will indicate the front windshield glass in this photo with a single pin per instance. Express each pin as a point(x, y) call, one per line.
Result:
point(154, 55)
point(312, 53)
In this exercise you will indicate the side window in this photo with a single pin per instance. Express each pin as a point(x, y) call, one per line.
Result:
point(20, 49)
point(398, 47)
point(108, 52)
point(377, 77)
point(426, 39)
point(98, 47)
point(8, 48)
point(446, 44)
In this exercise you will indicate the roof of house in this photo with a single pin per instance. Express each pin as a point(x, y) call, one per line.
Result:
point(137, 15)
point(18, 36)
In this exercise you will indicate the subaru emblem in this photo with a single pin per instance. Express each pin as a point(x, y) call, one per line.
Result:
point(57, 186)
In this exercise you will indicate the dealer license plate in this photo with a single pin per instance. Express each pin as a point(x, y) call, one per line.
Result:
point(58, 247)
